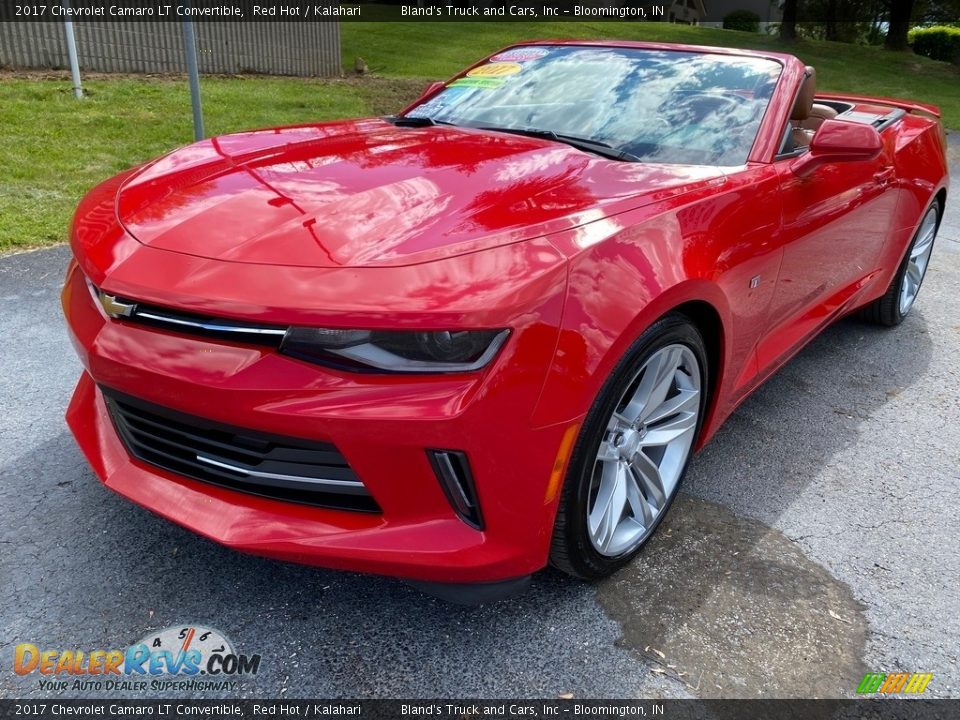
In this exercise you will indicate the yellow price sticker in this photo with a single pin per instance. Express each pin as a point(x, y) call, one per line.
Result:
point(496, 69)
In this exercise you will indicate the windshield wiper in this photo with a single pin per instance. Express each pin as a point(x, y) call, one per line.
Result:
point(414, 121)
point(594, 146)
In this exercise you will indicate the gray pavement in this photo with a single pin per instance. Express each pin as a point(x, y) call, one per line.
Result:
point(817, 539)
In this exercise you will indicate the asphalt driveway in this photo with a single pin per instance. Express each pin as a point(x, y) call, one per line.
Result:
point(817, 539)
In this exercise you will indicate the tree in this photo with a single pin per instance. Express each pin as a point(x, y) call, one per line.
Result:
point(901, 13)
point(788, 25)
point(742, 20)
point(832, 32)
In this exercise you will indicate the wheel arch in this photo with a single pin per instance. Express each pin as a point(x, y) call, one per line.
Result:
point(702, 302)
point(706, 318)
point(941, 197)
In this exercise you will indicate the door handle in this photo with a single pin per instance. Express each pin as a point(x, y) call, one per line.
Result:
point(883, 177)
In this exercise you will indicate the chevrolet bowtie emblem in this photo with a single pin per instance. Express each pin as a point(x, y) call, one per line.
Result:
point(116, 308)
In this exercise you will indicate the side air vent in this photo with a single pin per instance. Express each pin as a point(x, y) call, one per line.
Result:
point(453, 471)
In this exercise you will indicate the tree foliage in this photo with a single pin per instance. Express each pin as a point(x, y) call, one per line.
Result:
point(940, 42)
point(743, 20)
point(865, 21)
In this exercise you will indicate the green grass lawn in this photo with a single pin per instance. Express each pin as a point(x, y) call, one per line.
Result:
point(53, 148)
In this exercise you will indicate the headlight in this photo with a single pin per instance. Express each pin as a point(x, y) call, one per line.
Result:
point(395, 350)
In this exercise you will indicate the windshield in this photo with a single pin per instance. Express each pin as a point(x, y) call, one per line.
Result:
point(654, 106)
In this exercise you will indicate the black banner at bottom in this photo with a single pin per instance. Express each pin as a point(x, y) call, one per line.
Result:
point(865, 709)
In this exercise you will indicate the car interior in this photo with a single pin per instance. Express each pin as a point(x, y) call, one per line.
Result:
point(808, 114)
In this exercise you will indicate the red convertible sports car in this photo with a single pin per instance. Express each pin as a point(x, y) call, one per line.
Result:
point(486, 334)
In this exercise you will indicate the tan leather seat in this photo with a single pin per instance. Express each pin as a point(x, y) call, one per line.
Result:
point(802, 109)
point(818, 113)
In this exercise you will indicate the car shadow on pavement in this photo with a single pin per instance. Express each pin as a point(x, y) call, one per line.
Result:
point(720, 599)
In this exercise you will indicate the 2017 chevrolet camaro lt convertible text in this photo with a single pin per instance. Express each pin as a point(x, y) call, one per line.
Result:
point(487, 334)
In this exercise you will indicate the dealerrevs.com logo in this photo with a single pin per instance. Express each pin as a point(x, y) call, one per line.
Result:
point(188, 657)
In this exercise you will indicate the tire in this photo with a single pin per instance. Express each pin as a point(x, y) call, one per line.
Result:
point(890, 309)
point(595, 548)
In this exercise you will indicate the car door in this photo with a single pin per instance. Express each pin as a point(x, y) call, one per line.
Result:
point(834, 224)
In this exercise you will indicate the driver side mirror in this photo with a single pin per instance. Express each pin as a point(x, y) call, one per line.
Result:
point(837, 141)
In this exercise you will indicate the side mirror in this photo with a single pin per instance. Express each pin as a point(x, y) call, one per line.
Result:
point(432, 88)
point(837, 141)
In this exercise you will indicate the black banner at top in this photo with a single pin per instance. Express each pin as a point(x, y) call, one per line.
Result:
point(679, 11)
point(439, 709)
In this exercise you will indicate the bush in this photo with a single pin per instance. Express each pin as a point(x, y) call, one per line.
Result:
point(742, 20)
point(941, 42)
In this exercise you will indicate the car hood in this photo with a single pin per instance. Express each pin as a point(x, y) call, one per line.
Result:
point(367, 193)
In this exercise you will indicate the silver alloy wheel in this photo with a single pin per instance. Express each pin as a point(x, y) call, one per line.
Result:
point(644, 450)
point(918, 261)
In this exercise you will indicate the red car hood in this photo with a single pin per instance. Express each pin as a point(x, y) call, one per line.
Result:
point(366, 193)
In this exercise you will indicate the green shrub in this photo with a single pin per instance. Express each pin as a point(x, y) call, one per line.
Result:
point(941, 42)
point(743, 20)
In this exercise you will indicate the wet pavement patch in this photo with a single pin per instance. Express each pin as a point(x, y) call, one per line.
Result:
point(732, 608)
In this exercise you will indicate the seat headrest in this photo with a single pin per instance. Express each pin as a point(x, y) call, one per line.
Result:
point(804, 102)
point(822, 112)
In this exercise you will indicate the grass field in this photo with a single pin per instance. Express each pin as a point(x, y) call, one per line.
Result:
point(52, 148)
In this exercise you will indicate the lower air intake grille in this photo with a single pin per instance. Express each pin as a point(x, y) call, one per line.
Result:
point(282, 468)
point(452, 469)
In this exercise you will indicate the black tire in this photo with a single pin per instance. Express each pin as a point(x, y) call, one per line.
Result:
point(572, 550)
point(885, 310)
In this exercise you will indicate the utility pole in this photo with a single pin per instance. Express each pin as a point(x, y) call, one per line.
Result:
point(193, 76)
point(72, 53)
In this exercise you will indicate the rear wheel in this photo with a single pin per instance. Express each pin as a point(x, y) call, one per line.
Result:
point(896, 302)
point(632, 451)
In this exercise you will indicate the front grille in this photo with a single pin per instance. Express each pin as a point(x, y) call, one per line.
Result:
point(282, 468)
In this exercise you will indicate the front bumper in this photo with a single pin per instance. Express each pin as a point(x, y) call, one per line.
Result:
point(382, 425)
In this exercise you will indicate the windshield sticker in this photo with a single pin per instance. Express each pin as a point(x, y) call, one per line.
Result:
point(484, 83)
point(437, 103)
point(428, 109)
point(496, 70)
point(519, 55)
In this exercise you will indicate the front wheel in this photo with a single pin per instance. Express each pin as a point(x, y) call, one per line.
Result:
point(632, 451)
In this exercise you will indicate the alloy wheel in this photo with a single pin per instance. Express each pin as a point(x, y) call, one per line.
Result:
point(918, 261)
point(644, 451)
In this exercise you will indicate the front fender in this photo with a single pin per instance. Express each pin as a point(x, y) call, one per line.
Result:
point(719, 247)
point(615, 291)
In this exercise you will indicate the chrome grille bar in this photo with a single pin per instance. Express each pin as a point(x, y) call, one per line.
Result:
point(278, 476)
point(206, 326)
point(120, 308)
